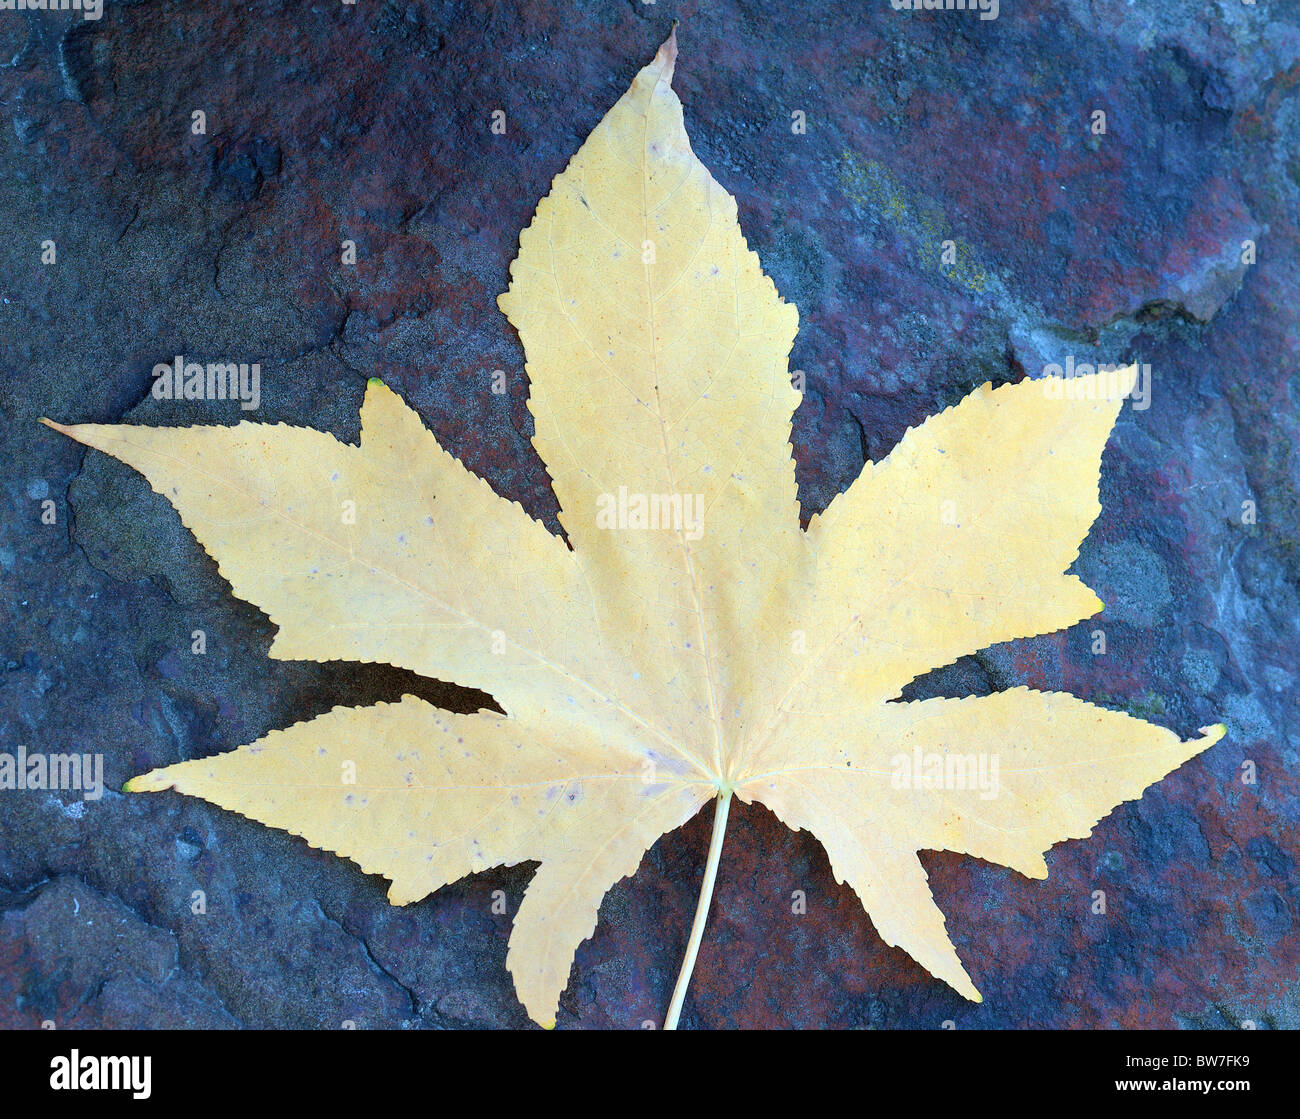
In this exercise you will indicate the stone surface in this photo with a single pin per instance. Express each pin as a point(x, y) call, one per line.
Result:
point(370, 123)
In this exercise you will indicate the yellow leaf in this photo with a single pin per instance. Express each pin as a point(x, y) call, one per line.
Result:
point(437, 796)
point(694, 643)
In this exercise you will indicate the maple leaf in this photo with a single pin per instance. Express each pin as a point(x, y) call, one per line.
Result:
point(693, 643)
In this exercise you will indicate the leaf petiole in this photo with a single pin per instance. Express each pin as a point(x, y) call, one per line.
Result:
point(701, 910)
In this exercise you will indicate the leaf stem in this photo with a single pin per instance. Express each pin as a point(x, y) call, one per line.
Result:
point(701, 910)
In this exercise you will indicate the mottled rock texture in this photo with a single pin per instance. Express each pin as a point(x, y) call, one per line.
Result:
point(328, 122)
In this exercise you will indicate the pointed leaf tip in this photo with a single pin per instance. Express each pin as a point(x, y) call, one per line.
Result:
point(147, 783)
point(666, 58)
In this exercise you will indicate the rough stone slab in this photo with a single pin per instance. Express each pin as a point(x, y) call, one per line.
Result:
point(370, 123)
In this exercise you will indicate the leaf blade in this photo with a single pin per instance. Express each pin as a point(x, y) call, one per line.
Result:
point(1059, 766)
point(664, 380)
point(435, 796)
point(379, 580)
